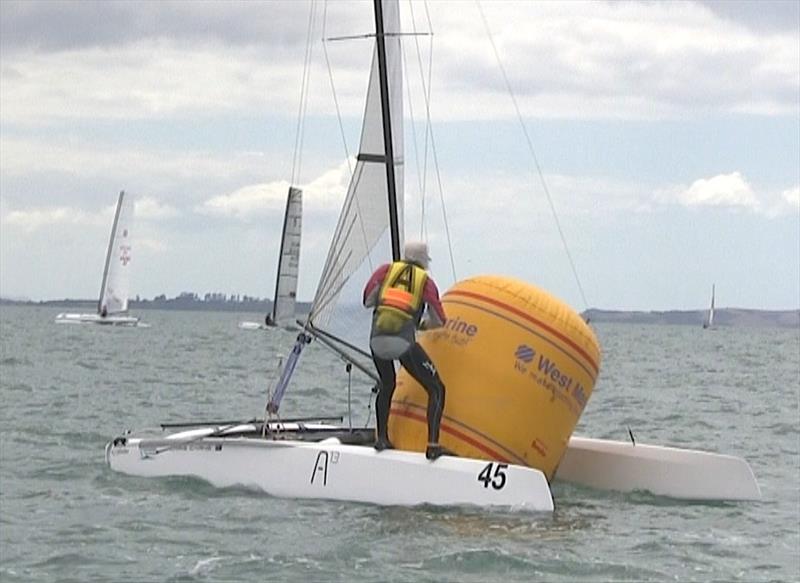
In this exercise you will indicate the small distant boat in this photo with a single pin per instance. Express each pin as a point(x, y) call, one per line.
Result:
point(709, 320)
point(112, 307)
point(283, 304)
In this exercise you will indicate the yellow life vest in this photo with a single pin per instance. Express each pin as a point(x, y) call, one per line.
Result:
point(400, 296)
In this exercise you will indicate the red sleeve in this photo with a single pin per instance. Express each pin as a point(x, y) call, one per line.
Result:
point(375, 281)
point(431, 296)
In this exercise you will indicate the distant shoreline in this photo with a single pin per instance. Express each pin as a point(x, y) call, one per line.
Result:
point(179, 303)
point(723, 317)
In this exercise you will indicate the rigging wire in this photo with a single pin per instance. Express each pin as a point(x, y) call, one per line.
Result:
point(333, 89)
point(426, 92)
point(533, 155)
point(344, 142)
point(423, 177)
point(296, 163)
point(420, 177)
point(298, 139)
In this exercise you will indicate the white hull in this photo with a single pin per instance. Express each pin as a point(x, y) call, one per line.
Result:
point(328, 469)
point(665, 471)
point(331, 470)
point(259, 326)
point(251, 326)
point(97, 319)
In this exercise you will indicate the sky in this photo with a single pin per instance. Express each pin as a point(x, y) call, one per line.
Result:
point(667, 135)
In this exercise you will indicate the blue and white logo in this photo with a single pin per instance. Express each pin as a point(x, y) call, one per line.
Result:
point(524, 353)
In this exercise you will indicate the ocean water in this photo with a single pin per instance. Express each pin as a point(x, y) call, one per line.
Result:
point(64, 516)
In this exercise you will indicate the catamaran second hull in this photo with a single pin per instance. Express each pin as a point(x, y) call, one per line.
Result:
point(330, 469)
point(97, 319)
point(686, 474)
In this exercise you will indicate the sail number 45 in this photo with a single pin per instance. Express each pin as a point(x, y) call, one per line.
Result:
point(493, 474)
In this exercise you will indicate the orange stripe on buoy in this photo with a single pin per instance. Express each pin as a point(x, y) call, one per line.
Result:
point(455, 433)
point(531, 319)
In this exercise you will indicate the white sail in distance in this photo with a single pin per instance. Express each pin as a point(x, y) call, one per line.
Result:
point(283, 306)
point(361, 241)
point(710, 318)
point(115, 287)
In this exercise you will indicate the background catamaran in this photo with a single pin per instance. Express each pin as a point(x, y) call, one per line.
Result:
point(299, 458)
point(709, 320)
point(285, 299)
point(112, 306)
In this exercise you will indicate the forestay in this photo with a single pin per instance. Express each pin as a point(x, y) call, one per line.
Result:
point(283, 306)
point(114, 289)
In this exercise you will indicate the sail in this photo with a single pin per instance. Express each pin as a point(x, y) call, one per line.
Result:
point(711, 309)
point(362, 239)
point(114, 288)
point(288, 260)
point(708, 322)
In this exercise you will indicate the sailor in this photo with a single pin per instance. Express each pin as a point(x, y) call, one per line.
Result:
point(399, 292)
point(269, 321)
point(103, 311)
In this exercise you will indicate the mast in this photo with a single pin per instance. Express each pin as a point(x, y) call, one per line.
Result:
point(387, 131)
point(108, 253)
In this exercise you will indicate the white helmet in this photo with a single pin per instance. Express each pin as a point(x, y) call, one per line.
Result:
point(417, 252)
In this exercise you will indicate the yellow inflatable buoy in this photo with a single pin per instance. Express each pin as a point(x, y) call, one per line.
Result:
point(518, 365)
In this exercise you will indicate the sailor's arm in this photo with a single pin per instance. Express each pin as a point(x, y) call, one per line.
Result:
point(435, 317)
point(373, 287)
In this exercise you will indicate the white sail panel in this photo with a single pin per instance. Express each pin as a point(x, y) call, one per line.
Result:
point(114, 290)
point(283, 308)
point(361, 241)
point(711, 309)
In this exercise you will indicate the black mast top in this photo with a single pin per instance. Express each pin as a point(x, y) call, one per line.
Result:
point(394, 229)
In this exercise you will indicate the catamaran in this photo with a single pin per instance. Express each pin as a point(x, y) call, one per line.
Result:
point(709, 320)
point(314, 458)
point(112, 306)
point(283, 304)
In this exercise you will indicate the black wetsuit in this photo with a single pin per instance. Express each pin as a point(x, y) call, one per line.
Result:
point(421, 368)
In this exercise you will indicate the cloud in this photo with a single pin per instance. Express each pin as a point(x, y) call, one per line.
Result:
point(149, 208)
point(38, 218)
point(151, 245)
point(725, 190)
point(247, 203)
point(616, 60)
point(323, 193)
point(792, 196)
point(764, 15)
point(733, 192)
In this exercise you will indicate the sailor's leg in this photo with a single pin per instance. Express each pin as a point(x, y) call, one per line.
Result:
point(384, 401)
point(419, 365)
